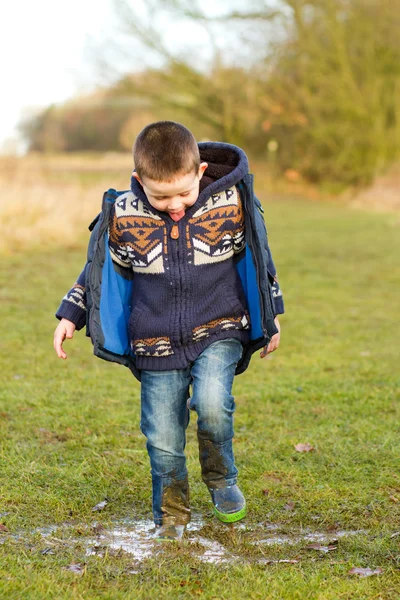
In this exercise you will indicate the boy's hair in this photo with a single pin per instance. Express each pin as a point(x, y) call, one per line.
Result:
point(165, 150)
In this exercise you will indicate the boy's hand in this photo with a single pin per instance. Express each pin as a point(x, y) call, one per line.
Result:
point(274, 341)
point(65, 329)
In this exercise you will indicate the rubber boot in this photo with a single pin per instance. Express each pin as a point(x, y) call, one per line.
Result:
point(176, 511)
point(219, 474)
point(229, 503)
point(170, 533)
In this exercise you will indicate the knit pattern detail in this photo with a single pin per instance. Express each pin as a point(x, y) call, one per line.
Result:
point(76, 295)
point(214, 327)
point(276, 290)
point(137, 236)
point(218, 228)
point(73, 306)
point(152, 347)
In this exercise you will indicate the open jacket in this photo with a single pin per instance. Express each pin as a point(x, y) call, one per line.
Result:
point(105, 288)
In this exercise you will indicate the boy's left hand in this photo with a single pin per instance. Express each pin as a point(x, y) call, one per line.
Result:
point(274, 341)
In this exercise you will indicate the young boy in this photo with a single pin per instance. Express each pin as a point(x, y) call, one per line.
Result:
point(190, 237)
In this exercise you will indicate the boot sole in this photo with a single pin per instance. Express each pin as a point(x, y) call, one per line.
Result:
point(230, 517)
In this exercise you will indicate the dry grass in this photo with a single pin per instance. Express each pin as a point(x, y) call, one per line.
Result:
point(383, 195)
point(49, 200)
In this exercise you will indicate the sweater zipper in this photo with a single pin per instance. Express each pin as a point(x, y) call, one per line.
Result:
point(174, 234)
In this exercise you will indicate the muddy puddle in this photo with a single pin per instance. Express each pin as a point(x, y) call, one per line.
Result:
point(272, 537)
point(136, 538)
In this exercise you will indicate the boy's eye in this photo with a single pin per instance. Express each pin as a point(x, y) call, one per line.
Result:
point(185, 194)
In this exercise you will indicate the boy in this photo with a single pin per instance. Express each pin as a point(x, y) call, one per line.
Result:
point(190, 231)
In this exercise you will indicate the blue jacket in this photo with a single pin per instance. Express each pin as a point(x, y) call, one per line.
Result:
point(109, 288)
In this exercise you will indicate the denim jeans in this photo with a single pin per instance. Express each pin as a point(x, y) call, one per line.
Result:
point(165, 404)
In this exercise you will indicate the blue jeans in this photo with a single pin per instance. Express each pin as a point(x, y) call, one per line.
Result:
point(165, 404)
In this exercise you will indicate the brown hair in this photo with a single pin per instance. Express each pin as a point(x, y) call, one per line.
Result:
point(164, 150)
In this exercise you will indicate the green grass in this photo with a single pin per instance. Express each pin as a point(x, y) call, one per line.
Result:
point(70, 437)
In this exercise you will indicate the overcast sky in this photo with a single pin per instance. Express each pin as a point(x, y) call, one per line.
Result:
point(45, 50)
point(48, 49)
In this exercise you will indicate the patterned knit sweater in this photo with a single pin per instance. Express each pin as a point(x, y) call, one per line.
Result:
point(187, 293)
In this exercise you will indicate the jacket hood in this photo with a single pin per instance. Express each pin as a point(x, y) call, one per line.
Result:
point(227, 165)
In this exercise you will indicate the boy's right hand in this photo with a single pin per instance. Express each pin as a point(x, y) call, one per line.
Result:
point(65, 329)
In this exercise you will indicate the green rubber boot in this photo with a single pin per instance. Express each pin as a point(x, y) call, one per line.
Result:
point(229, 503)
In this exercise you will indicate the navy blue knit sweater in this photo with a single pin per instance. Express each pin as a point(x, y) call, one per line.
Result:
point(187, 292)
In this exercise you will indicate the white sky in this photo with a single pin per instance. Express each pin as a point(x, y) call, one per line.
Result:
point(44, 52)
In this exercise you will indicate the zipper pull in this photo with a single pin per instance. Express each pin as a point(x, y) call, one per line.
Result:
point(175, 232)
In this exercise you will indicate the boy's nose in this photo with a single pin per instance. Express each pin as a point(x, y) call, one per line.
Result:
point(174, 205)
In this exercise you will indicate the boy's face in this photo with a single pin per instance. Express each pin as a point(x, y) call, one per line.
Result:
point(176, 195)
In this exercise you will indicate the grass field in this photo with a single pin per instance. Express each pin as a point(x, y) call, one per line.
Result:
point(70, 437)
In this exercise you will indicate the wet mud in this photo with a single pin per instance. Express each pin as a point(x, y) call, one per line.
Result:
point(175, 502)
point(209, 541)
point(213, 468)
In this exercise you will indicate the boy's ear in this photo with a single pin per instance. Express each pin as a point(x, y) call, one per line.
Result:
point(202, 168)
point(136, 176)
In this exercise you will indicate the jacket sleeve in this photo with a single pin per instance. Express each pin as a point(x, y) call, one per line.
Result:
point(276, 290)
point(73, 305)
point(272, 276)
